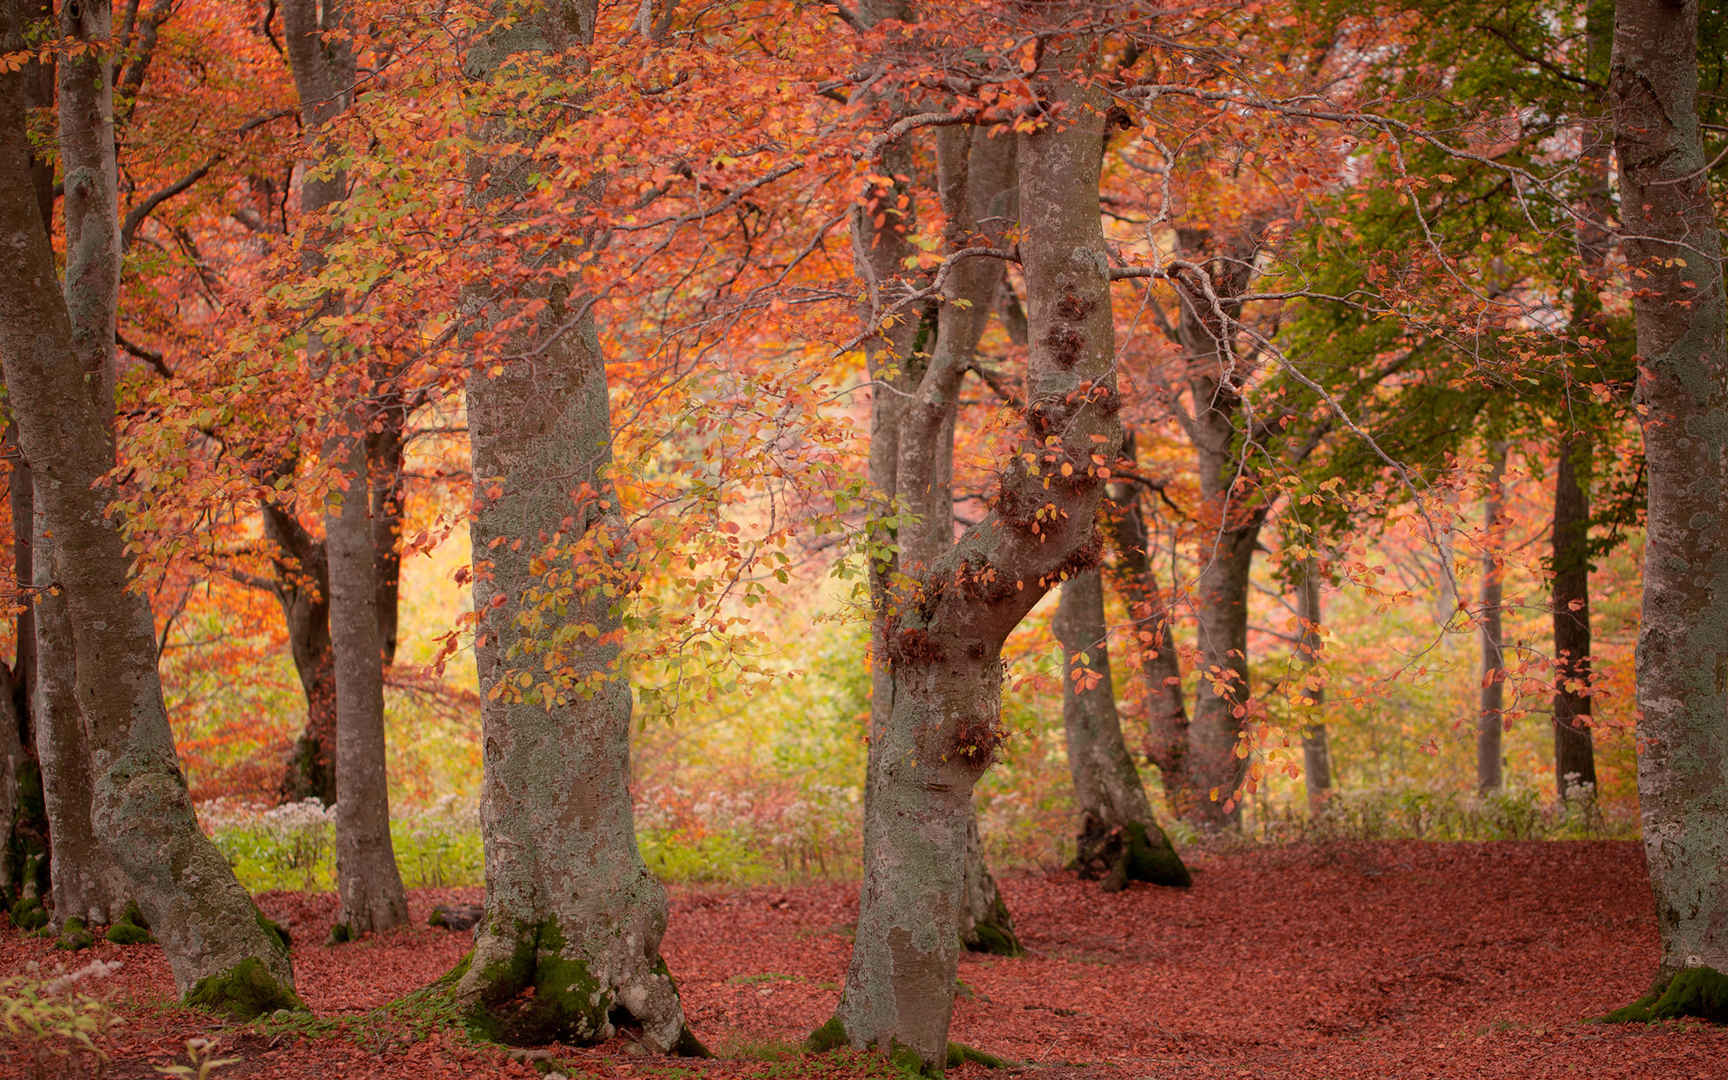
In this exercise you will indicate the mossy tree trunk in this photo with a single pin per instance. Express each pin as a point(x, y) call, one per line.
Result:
point(569, 945)
point(951, 618)
point(316, 33)
point(219, 952)
point(1672, 239)
point(1119, 839)
point(1490, 718)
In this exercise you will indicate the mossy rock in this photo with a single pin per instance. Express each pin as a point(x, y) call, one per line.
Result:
point(28, 914)
point(244, 991)
point(74, 935)
point(1700, 993)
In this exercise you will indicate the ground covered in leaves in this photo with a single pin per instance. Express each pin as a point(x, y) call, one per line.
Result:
point(1388, 960)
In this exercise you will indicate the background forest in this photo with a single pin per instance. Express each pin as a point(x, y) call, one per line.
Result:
point(922, 457)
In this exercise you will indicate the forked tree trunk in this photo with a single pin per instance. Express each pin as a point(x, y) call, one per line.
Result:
point(1119, 839)
point(367, 881)
point(1490, 719)
point(1316, 750)
point(945, 645)
point(220, 951)
point(1672, 238)
point(1574, 753)
point(569, 946)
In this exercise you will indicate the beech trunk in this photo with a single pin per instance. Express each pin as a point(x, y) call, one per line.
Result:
point(1490, 719)
point(1673, 240)
point(944, 646)
point(569, 945)
point(1316, 749)
point(1574, 751)
point(1119, 840)
point(220, 951)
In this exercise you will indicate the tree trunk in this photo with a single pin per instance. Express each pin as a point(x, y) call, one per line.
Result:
point(302, 584)
point(1490, 721)
point(220, 951)
point(569, 946)
point(1216, 761)
point(1119, 839)
point(986, 924)
point(385, 449)
point(367, 881)
point(1154, 643)
point(1316, 753)
point(24, 861)
point(1574, 755)
point(86, 884)
point(1672, 238)
point(945, 643)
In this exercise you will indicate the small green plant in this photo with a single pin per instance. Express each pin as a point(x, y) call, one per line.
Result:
point(200, 1062)
point(51, 1022)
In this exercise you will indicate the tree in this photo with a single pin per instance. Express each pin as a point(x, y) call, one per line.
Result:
point(570, 939)
point(222, 952)
point(1674, 249)
point(944, 648)
point(1490, 719)
point(1119, 839)
point(367, 880)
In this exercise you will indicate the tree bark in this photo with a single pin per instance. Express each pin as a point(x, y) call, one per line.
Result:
point(1216, 763)
point(1490, 720)
point(1316, 751)
point(220, 951)
point(1136, 579)
point(951, 620)
point(1574, 754)
point(367, 881)
point(1119, 840)
point(302, 586)
point(569, 946)
point(1672, 239)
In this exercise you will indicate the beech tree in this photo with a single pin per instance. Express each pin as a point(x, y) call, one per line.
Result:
point(1673, 246)
point(367, 880)
point(569, 945)
point(56, 351)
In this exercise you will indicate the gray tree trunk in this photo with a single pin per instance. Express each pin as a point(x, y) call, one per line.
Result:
point(1215, 378)
point(220, 951)
point(1119, 840)
point(1490, 720)
point(1152, 615)
point(1316, 750)
point(569, 945)
point(1672, 237)
point(367, 881)
point(945, 644)
point(302, 586)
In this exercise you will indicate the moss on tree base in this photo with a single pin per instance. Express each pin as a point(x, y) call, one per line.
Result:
point(28, 914)
point(1700, 993)
point(130, 928)
point(830, 1036)
point(74, 935)
point(959, 1054)
point(994, 934)
point(244, 991)
point(1134, 852)
point(537, 995)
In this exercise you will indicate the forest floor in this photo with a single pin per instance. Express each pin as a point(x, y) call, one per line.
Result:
point(1359, 960)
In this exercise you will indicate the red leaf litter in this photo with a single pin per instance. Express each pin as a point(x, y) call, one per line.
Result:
point(1385, 961)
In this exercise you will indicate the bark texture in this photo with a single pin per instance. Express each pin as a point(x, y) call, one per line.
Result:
point(1490, 718)
point(1671, 235)
point(1119, 840)
point(1152, 613)
point(1574, 753)
point(1215, 375)
point(1316, 750)
point(569, 946)
point(368, 883)
point(949, 624)
point(302, 587)
point(217, 945)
